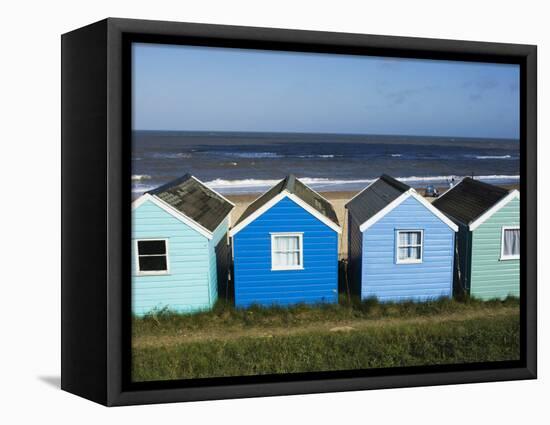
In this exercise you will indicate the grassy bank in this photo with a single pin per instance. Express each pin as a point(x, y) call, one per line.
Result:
point(447, 342)
point(230, 342)
point(224, 316)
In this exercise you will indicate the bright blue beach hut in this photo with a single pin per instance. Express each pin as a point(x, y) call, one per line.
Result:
point(180, 250)
point(285, 248)
point(400, 247)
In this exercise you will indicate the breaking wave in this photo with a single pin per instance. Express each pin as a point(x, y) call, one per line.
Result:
point(246, 155)
point(171, 155)
point(139, 177)
point(250, 185)
point(493, 157)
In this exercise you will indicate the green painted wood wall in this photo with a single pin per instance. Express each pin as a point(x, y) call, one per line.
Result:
point(492, 277)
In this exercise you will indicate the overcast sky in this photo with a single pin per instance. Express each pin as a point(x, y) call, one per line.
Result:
point(223, 89)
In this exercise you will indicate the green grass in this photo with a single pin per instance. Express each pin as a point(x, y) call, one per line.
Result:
point(474, 340)
point(356, 335)
point(225, 315)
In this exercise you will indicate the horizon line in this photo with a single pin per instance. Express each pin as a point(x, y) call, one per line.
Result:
point(328, 133)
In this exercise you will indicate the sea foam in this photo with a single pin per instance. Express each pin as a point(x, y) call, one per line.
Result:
point(139, 177)
point(343, 184)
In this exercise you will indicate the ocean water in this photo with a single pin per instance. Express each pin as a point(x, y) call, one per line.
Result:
point(232, 162)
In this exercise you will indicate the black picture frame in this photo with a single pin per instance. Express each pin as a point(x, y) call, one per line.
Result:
point(96, 117)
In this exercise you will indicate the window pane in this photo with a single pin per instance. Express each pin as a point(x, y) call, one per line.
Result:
point(151, 247)
point(293, 243)
point(277, 259)
point(150, 264)
point(286, 251)
point(410, 238)
point(415, 238)
point(286, 259)
point(286, 243)
point(511, 242)
point(409, 253)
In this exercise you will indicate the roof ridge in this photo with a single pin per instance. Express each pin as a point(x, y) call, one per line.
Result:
point(215, 192)
point(195, 200)
point(470, 199)
point(295, 189)
point(188, 176)
point(290, 183)
point(484, 184)
point(171, 183)
point(315, 194)
point(253, 205)
point(395, 183)
point(376, 196)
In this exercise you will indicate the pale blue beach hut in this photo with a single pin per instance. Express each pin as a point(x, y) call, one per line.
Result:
point(400, 247)
point(180, 250)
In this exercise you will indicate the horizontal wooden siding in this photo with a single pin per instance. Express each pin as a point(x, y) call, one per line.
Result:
point(492, 277)
point(387, 281)
point(186, 287)
point(256, 283)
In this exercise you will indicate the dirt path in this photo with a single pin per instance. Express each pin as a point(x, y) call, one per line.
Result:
point(234, 332)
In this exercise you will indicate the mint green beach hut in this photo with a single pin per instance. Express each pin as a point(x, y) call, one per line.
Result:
point(180, 251)
point(487, 252)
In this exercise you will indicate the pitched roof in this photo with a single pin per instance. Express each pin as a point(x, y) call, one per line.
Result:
point(293, 186)
point(375, 197)
point(195, 200)
point(469, 200)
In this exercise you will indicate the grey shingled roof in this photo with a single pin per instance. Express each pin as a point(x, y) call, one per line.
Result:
point(375, 197)
point(469, 199)
point(296, 187)
point(192, 198)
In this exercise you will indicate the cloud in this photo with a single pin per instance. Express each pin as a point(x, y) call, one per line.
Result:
point(478, 88)
point(487, 84)
point(399, 97)
point(475, 97)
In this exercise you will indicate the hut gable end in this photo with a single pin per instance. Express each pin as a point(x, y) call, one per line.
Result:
point(292, 188)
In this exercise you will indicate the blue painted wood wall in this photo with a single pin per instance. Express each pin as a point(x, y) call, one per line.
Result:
point(383, 278)
point(191, 284)
point(256, 283)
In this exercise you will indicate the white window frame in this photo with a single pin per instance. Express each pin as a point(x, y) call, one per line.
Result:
point(397, 246)
point(502, 256)
point(152, 272)
point(300, 236)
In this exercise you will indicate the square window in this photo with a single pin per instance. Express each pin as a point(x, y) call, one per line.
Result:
point(286, 251)
point(409, 246)
point(152, 257)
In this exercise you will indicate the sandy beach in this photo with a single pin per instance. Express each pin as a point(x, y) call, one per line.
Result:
point(338, 200)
